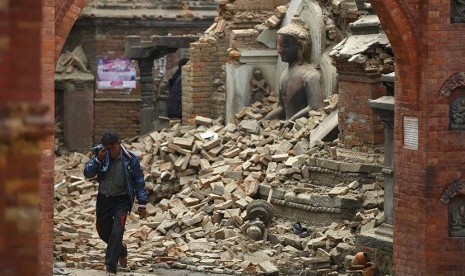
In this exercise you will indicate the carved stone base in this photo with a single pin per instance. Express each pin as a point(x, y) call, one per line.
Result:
point(314, 208)
point(380, 237)
point(378, 243)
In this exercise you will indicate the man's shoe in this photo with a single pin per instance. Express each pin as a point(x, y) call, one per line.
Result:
point(110, 273)
point(123, 260)
point(304, 233)
point(296, 228)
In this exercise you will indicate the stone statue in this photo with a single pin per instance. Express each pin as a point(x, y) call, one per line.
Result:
point(299, 86)
point(457, 114)
point(457, 225)
point(260, 86)
point(460, 8)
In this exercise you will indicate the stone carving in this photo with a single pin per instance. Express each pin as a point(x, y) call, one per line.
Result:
point(453, 82)
point(260, 86)
point(458, 11)
point(457, 114)
point(299, 86)
point(456, 188)
point(457, 219)
point(454, 196)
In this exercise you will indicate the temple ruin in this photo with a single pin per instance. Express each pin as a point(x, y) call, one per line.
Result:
point(375, 176)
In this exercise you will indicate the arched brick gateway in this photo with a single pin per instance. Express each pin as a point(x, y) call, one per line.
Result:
point(66, 13)
point(428, 48)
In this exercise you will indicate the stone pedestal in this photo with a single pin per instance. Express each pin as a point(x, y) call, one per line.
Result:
point(378, 244)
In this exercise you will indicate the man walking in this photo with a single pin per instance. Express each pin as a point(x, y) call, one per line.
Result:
point(120, 179)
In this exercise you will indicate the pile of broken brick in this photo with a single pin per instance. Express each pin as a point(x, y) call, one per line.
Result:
point(201, 179)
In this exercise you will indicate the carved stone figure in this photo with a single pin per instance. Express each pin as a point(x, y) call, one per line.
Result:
point(457, 114)
point(455, 81)
point(459, 8)
point(260, 86)
point(457, 222)
point(299, 86)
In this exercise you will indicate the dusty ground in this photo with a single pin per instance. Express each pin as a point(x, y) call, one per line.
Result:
point(157, 272)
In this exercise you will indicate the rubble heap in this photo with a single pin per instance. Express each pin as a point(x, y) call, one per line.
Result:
point(200, 181)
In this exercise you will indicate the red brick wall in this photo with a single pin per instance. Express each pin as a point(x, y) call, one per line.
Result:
point(427, 48)
point(246, 39)
point(358, 124)
point(109, 104)
point(122, 117)
point(47, 62)
point(444, 162)
point(199, 76)
point(20, 82)
point(66, 13)
point(202, 96)
point(426, 55)
point(108, 39)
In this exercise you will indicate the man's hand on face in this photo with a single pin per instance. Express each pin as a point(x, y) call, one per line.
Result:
point(102, 154)
point(142, 212)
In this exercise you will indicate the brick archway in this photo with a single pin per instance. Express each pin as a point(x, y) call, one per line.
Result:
point(394, 16)
point(420, 174)
point(396, 21)
point(66, 14)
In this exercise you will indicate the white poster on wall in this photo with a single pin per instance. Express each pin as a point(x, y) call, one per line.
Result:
point(117, 73)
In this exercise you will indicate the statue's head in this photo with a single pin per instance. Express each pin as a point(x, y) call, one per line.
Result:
point(294, 41)
point(257, 73)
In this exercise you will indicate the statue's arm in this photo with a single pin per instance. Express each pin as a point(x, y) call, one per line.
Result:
point(302, 113)
point(277, 113)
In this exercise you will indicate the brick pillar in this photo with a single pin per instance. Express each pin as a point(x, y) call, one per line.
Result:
point(78, 115)
point(26, 66)
point(357, 121)
point(198, 80)
point(47, 63)
point(21, 128)
point(147, 107)
point(202, 94)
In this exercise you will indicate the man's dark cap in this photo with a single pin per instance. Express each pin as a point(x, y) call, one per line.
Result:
point(109, 138)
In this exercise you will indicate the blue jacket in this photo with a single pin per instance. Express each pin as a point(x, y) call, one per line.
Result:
point(135, 183)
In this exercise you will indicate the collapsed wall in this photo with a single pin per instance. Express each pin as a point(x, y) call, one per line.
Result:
point(203, 90)
point(217, 80)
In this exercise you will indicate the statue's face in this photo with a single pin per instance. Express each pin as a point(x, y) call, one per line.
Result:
point(288, 48)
